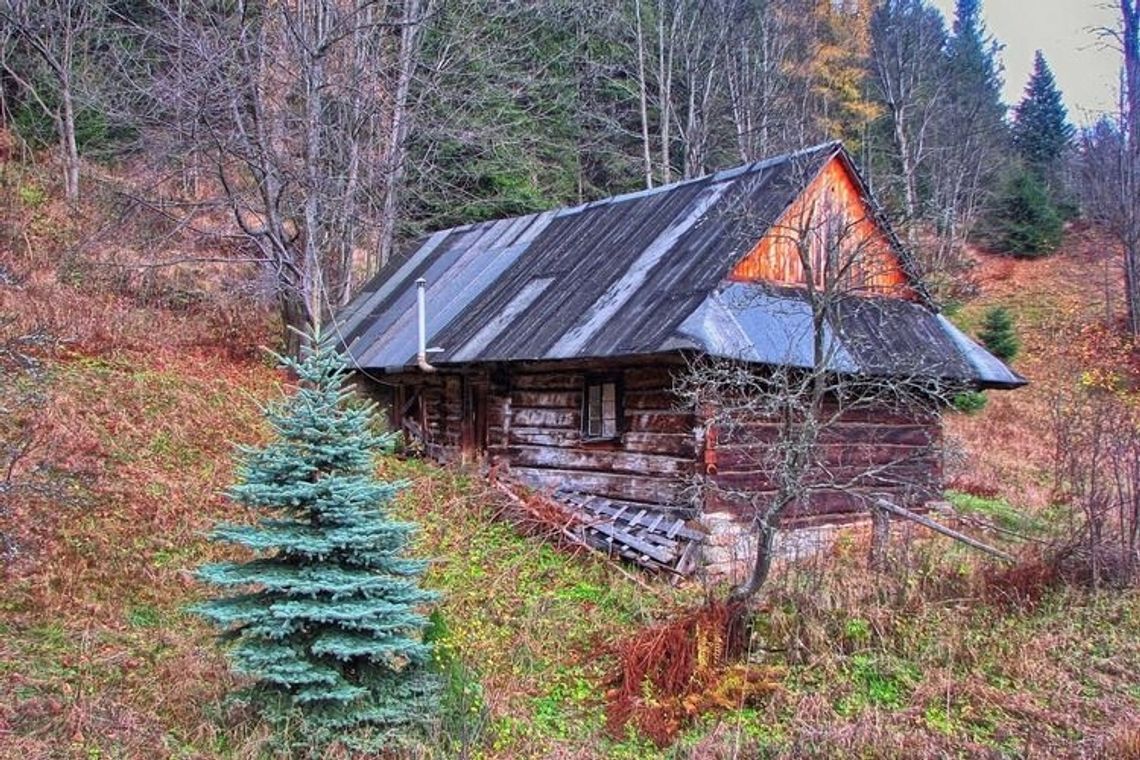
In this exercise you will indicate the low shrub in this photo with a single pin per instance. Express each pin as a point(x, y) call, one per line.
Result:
point(969, 402)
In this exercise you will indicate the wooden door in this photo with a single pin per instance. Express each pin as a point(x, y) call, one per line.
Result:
point(474, 430)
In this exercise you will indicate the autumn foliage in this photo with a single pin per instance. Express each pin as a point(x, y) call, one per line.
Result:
point(673, 672)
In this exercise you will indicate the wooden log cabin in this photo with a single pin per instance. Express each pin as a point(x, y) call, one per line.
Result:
point(554, 340)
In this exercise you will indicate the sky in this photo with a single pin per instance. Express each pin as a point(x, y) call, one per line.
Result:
point(1086, 66)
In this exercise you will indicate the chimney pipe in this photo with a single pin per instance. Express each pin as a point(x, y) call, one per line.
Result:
point(421, 310)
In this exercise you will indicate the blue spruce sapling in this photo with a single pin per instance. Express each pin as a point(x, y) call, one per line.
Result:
point(329, 617)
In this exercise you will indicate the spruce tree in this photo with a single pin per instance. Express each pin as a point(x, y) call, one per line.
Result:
point(972, 133)
point(998, 334)
point(1025, 221)
point(1041, 131)
point(328, 618)
point(974, 74)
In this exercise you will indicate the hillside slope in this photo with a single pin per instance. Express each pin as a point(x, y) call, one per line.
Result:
point(135, 399)
point(1068, 310)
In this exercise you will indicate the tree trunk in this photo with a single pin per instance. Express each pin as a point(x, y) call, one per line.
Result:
point(762, 565)
point(1132, 283)
point(1130, 11)
point(398, 128)
point(315, 231)
point(68, 147)
point(295, 321)
point(642, 87)
point(1130, 42)
point(665, 88)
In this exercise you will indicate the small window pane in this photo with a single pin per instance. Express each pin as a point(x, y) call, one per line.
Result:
point(601, 411)
point(594, 411)
point(609, 410)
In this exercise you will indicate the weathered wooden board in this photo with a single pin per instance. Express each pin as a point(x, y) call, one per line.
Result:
point(568, 381)
point(887, 478)
point(540, 436)
point(746, 458)
point(683, 445)
point(651, 378)
point(545, 418)
point(547, 399)
point(603, 460)
point(660, 422)
point(874, 265)
point(651, 535)
point(656, 399)
point(613, 485)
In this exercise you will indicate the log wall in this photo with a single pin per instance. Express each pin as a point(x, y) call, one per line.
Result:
point(664, 455)
point(865, 452)
point(534, 429)
point(653, 460)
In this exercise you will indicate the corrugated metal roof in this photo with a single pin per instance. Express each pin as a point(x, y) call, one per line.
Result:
point(640, 273)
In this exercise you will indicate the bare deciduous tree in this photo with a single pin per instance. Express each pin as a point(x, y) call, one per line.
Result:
point(52, 37)
point(1096, 470)
point(758, 56)
point(1108, 172)
point(786, 422)
point(705, 34)
point(1109, 163)
point(908, 43)
point(301, 109)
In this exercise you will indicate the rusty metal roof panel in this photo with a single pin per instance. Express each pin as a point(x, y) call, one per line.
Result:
point(770, 324)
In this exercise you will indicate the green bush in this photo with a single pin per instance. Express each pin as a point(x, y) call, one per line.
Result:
point(1026, 222)
point(969, 402)
point(96, 136)
point(998, 333)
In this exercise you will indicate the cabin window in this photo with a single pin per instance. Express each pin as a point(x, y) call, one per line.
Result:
point(601, 410)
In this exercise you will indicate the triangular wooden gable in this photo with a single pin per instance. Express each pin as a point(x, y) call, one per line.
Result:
point(837, 219)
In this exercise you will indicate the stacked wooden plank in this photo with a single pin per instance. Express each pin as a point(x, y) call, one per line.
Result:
point(635, 531)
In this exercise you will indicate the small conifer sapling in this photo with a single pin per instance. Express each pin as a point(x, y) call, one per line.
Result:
point(328, 618)
point(998, 333)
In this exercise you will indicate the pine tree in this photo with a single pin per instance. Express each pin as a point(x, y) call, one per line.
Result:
point(998, 334)
point(1041, 131)
point(971, 133)
point(328, 618)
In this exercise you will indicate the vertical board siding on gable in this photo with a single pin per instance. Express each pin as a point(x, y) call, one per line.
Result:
point(833, 193)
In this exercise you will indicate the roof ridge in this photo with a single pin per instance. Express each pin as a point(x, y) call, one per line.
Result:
point(720, 175)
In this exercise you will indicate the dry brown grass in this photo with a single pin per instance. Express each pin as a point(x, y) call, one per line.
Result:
point(1067, 309)
point(143, 405)
point(934, 658)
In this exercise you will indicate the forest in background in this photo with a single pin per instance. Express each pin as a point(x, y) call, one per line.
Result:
point(315, 138)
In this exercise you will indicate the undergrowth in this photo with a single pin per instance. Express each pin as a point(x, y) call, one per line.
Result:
point(149, 388)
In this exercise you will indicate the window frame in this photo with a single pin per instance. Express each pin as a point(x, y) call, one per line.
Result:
point(600, 381)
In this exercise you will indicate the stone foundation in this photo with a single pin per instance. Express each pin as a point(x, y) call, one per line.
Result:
point(730, 548)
